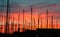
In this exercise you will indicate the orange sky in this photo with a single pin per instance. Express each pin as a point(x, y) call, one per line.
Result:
point(27, 20)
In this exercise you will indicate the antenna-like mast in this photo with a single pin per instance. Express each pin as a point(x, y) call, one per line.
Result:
point(23, 20)
point(19, 23)
point(12, 24)
point(38, 20)
point(57, 23)
point(47, 19)
point(52, 22)
point(29, 25)
point(31, 18)
point(1, 23)
point(34, 22)
point(7, 28)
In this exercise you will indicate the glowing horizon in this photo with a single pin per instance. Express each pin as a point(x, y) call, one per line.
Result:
point(27, 20)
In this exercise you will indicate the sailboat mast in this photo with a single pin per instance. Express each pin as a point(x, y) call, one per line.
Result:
point(52, 21)
point(47, 19)
point(57, 23)
point(38, 20)
point(12, 25)
point(19, 23)
point(34, 23)
point(23, 20)
point(31, 18)
point(6, 30)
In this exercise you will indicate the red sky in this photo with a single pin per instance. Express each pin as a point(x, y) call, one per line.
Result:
point(27, 18)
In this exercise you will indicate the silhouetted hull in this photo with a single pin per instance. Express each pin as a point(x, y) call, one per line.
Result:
point(29, 33)
point(48, 32)
point(37, 33)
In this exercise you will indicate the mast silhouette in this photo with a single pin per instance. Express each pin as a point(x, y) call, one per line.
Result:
point(52, 21)
point(23, 20)
point(12, 24)
point(31, 18)
point(57, 23)
point(38, 20)
point(7, 24)
point(47, 19)
point(19, 23)
point(1, 23)
point(41, 21)
point(29, 25)
point(34, 22)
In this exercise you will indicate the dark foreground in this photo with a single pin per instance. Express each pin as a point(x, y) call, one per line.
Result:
point(37, 33)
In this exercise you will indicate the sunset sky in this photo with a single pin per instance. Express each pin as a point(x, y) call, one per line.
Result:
point(38, 6)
